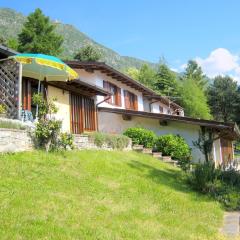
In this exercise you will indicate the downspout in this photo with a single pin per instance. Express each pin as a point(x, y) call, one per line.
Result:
point(105, 99)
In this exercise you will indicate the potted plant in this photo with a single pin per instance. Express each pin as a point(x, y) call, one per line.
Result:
point(3, 111)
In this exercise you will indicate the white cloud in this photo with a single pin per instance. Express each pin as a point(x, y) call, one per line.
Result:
point(220, 62)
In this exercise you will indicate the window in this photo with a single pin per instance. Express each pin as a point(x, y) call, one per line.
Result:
point(160, 109)
point(116, 93)
point(131, 100)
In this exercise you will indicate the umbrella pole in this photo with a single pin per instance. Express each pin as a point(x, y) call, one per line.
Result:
point(37, 104)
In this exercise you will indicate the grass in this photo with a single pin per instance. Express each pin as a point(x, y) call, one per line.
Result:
point(100, 195)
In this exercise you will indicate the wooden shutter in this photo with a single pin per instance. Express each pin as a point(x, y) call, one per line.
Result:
point(135, 103)
point(118, 97)
point(126, 99)
point(106, 86)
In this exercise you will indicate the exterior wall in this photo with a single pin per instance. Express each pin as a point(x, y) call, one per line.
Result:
point(97, 78)
point(13, 140)
point(113, 123)
point(217, 152)
point(63, 105)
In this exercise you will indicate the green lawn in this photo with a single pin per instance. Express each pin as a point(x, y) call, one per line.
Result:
point(100, 195)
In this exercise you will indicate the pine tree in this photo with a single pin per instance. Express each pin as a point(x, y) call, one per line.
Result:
point(194, 71)
point(38, 35)
point(166, 82)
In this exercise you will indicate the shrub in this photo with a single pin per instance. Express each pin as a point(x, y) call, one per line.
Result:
point(222, 185)
point(47, 132)
point(12, 125)
point(2, 109)
point(141, 136)
point(114, 141)
point(204, 177)
point(66, 141)
point(174, 146)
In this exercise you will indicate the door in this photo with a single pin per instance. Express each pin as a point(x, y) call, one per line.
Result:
point(83, 114)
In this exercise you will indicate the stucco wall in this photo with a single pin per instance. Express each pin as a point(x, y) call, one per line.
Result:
point(63, 105)
point(113, 123)
point(97, 78)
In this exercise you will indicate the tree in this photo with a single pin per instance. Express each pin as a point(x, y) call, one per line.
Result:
point(145, 75)
point(223, 98)
point(193, 100)
point(38, 35)
point(88, 54)
point(133, 73)
point(166, 82)
point(12, 43)
point(194, 71)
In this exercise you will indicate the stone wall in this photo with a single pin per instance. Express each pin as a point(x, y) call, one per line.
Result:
point(14, 140)
point(86, 142)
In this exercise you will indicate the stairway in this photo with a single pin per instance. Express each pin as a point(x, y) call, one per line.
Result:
point(157, 155)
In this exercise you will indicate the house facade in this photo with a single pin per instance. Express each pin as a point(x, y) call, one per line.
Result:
point(104, 99)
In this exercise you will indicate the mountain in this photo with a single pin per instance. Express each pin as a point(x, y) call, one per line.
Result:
point(11, 23)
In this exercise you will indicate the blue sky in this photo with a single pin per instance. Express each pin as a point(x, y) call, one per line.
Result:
point(208, 31)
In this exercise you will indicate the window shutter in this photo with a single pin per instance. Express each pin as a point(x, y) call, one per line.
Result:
point(135, 104)
point(126, 99)
point(107, 87)
point(118, 97)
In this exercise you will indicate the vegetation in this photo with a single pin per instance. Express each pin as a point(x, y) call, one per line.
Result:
point(38, 35)
point(176, 147)
point(2, 109)
point(100, 195)
point(166, 82)
point(47, 129)
point(223, 185)
point(224, 99)
point(193, 81)
point(114, 141)
point(88, 54)
point(205, 143)
point(11, 125)
point(141, 136)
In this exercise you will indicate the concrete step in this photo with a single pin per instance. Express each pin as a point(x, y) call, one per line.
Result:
point(157, 154)
point(166, 158)
point(137, 148)
point(174, 163)
point(147, 150)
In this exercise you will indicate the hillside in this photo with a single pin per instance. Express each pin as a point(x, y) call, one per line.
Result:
point(11, 23)
point(100, 195)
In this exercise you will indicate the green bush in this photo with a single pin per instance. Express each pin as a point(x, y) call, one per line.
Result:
point(222, 185)
point(174, 146)
point(66, 141)
point(2, 109)
point(141, 136)
point(114, 141)
point(12, 125)
point(47, 133)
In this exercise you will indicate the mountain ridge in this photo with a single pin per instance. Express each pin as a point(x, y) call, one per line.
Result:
point(11, 23)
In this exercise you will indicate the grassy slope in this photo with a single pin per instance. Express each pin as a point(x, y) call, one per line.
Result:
point(100, 195)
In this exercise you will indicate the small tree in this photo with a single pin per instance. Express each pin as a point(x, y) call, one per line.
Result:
point(47, 129)
point(204, 143)
point(38, 35)
point(88, 54)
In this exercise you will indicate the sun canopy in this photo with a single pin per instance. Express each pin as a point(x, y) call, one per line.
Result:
point(45, 67)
